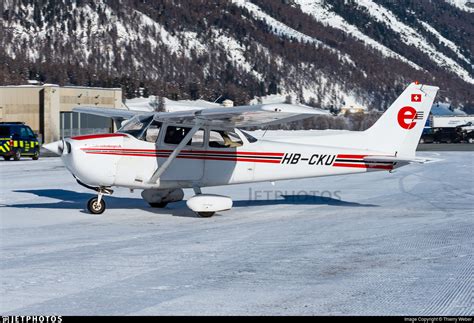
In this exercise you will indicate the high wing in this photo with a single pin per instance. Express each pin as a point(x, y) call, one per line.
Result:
point(108, 112)
point(242, 116)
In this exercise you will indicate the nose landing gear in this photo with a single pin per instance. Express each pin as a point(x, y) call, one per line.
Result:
point(96, 205)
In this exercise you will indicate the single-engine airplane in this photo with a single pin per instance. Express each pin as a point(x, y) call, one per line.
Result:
point(164, 152)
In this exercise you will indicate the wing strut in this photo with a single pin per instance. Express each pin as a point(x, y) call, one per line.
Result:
point(160, 170)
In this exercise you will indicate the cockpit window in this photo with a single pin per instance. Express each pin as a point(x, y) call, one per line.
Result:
point(152, 131)
point(250, 138)
point(224, 139)
point(174, 136)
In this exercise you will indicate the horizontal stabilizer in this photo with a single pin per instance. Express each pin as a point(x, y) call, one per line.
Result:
point(395, 159)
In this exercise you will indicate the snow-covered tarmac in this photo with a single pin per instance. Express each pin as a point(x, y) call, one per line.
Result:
point(376, 243)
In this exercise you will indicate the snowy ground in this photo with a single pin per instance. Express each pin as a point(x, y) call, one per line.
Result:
point(381, 243)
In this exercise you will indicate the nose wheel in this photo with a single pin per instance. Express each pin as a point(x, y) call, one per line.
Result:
point(96, 206)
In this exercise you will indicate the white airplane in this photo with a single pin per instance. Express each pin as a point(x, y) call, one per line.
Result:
point(162, 153)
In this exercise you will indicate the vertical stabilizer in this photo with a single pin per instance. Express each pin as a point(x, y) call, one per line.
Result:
point(399, 129)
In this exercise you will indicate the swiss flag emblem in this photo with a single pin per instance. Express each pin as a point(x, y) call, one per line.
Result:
point(416, 98)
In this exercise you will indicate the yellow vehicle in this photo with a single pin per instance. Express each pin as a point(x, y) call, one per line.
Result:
point(17, 140)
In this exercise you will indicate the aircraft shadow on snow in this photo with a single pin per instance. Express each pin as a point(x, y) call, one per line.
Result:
point(77, 200)
point(300, 200)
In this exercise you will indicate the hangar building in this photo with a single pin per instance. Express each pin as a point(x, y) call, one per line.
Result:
point(47, 109)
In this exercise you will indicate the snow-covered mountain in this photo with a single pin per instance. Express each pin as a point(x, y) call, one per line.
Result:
point(326, 53)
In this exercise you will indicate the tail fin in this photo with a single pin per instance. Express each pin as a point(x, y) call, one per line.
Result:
point(402, 123)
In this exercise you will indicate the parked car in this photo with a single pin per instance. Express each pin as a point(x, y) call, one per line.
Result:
point(17, 140)
point(448, 135)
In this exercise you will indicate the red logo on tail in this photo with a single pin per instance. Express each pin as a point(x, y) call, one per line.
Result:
point(416, 98)
point(406, 117)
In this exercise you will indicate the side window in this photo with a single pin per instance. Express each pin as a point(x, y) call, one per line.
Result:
point(23, 132)
point(16, 131)
point(198, 139)
point(152, 132)
point(5, 132)
point(224, 139)
point(174, 135)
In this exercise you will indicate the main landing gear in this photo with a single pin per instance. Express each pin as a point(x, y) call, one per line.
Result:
point(159, 198)
point(206, 205)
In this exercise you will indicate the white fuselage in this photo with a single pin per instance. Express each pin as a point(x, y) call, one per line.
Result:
point(125, 161)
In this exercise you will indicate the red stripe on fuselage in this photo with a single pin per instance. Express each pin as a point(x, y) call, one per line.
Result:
point(230, 158)
point(104, 135)
point(214, 152)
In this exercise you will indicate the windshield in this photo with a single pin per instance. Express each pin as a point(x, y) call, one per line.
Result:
point(250, 138)
point(136, 126)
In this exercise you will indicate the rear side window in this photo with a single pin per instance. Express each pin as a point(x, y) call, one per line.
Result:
point(4, 131)
point(224, 139)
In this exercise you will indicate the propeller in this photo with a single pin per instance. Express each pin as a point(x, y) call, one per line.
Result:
point(56, 147)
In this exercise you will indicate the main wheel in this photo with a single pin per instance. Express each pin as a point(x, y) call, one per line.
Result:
point(7, 157)
point(159, 205)
point(36, 155)
point(17, 155)
point(94, 207)
point(205, 214)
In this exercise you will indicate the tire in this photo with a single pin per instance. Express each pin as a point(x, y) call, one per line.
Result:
point(36, 156)
point(94, 207)
point(206, 214)
point(159, 205)
point(7, 157)
point(17, 155)
point(471, 140)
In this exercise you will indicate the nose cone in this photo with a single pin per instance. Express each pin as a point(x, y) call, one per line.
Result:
point(56, 147)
